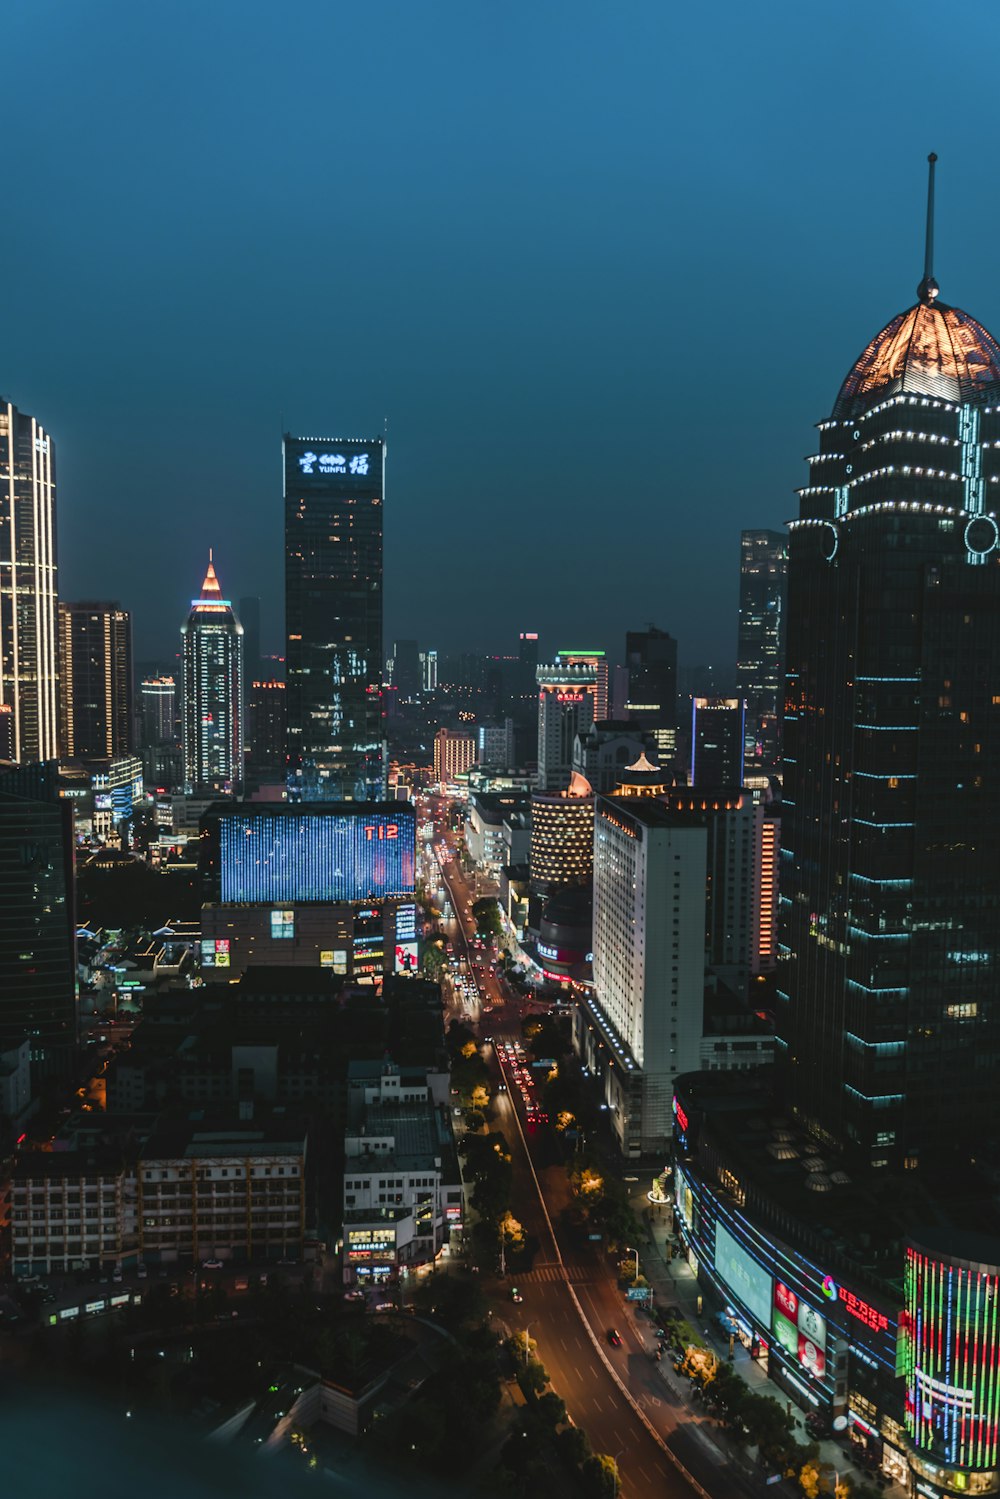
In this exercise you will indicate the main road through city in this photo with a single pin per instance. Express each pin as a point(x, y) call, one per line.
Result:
point(570, 1297)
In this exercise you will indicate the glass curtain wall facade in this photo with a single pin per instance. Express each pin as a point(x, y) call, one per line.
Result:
point(334, 492)
point(890, 886)
point(760, 651)
point(29, 646)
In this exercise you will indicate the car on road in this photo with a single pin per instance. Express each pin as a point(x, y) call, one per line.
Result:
point(515, 1294)
point(614, 1337)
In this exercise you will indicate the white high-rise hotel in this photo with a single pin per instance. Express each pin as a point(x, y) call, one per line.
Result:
point(29, 674)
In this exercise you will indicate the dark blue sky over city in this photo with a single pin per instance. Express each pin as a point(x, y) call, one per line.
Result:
point(600, 267)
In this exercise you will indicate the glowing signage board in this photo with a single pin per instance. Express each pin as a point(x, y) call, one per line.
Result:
point(800, 1330)
point(333, 463)
point(407, 957)
point(748, 1281)
point(336, 855)
point(371, 1244)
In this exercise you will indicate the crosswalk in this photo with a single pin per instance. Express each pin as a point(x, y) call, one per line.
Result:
point(577, 1274)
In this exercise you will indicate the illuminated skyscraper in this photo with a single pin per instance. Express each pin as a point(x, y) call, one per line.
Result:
point(760, 653)
point(717, 736)
point(95, 680)
point(158, 701)
point(213, 692)
point(599, 661)
point(887, 1016)
point(567, 696)
point(334, 489)
point(29, 647)
point(651, 663)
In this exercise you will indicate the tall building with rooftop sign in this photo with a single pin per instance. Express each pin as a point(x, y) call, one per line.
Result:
point(334, 490)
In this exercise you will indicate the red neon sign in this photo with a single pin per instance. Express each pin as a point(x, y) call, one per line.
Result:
point(682, 1118)
point(381, 831)
point(865, 1313)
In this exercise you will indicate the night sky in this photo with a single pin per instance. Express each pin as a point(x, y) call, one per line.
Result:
point(600, 266)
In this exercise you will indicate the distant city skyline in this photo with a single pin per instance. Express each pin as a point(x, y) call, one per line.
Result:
point(594, 321)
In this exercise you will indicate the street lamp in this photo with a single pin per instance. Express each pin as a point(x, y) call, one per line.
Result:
point(617, 1481)
point(527, 1328)
point(636, 1253)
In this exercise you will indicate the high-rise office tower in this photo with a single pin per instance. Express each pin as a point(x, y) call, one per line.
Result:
point(249, 616)
point(428, 671)
point(599, 661)
point(406, 668)
point(266, 729)
point(29, 645)
point(717, 736)
point(888, 1021)
point(760, 651)
point(95, 680)
point(38, 931)
point(334, 491)
point(651, 659)
point(567, 697)
point(158, 705)
point(212, 639)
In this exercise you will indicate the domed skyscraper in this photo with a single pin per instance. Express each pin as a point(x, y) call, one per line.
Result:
point(891, 828)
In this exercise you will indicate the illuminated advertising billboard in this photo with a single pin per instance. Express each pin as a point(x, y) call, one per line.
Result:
point(282, 925)
point(406, 923)
point(951, 1323)
point(684, 1198)
point(371, 1244)
point(407, 957)
point(749, 1282)
point(340, 854)
point(800, 1329)
point(215, 952)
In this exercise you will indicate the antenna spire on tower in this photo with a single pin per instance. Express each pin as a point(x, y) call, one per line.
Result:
point(928, 289)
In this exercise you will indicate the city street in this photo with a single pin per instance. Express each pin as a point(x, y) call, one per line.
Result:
point(571, 1300)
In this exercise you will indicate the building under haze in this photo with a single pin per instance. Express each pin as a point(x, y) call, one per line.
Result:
point(717, 736)
point(266, 730)
point(95, 686)
point(29, 643)
point(760, 650)
point(212, 639)
point(334, 492)
point(651, 663)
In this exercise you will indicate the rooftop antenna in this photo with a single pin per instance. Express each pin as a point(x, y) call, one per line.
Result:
point(928, 290)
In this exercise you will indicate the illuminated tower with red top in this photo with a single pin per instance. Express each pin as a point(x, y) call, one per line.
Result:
point(212, 639)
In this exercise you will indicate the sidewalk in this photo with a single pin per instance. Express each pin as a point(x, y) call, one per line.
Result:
point(674, 1283)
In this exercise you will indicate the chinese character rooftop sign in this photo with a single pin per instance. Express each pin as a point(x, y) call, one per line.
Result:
point(311, 462)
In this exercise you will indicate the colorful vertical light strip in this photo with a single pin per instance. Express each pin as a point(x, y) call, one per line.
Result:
point(953, 1359)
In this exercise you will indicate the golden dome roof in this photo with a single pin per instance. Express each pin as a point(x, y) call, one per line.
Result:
point(930, 350)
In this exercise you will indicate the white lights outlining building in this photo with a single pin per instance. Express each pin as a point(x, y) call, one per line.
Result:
point(29, 673)
point(213, 692)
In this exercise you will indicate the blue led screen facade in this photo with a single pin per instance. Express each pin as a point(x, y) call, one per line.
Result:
point(339, 855)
